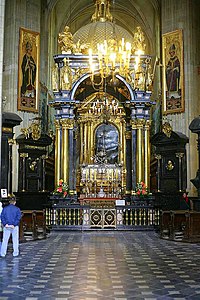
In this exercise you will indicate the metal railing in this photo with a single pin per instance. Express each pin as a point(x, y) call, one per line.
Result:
point(75, 217)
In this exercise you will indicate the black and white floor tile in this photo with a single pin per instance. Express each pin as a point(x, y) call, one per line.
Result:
point(102, 265)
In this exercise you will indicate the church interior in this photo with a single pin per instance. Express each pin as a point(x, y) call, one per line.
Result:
point(100, 145)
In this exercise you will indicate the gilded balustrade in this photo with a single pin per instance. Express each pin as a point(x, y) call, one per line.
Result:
point(120, 217)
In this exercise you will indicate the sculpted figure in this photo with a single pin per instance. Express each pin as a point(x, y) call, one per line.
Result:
point(55, 78)
point(139, 40)
point(66, 76)
point(65, 40)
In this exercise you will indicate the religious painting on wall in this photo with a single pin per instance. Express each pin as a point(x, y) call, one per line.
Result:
point(28, 70)
point(173, 72)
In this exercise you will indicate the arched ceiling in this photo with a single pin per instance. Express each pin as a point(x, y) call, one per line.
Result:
point(128, 14)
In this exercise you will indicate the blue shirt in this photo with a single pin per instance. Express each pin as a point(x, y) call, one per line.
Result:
point(11, 215)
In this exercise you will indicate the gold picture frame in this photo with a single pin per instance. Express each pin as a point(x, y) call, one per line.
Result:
point(173, 72)
point(28, 70)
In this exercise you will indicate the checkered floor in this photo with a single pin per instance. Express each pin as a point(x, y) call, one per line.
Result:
point(102, 265)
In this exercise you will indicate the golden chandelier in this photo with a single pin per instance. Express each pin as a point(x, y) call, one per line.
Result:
point(109, 52)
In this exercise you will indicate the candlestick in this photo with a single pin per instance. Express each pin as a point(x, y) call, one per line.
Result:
point(116, 174)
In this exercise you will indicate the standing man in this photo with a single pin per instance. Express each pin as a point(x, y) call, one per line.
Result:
point(10, 218)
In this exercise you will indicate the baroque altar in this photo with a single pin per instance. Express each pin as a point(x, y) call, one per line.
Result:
point(102, 100)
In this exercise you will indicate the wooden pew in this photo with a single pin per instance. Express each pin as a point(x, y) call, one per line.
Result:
point(180, 225)
point(27, 226)
point(32, 225)
point(40, 224)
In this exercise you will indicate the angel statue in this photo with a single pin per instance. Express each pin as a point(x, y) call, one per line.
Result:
point(65, 40)
point(139, 40)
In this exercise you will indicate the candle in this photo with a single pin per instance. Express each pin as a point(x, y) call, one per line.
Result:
point(122, 43)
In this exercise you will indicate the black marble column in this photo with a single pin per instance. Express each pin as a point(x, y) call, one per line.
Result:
point(74, 162)
point(134, 160)
point(10, 142)
point(128, 163)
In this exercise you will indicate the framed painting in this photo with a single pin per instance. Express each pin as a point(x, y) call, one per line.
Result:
point(28, 70)
point(173, 72)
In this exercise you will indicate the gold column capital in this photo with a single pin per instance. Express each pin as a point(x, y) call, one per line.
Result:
point(140, 123)
point(134, 124)
point(67, 123)
point(57, 123)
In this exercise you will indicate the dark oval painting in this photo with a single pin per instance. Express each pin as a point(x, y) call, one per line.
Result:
point(107, 137)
